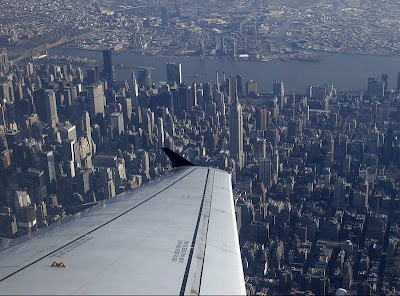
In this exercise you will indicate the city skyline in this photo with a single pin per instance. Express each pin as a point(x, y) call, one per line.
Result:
point(94, 138)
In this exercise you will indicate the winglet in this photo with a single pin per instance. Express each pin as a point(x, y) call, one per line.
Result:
point(176, 159)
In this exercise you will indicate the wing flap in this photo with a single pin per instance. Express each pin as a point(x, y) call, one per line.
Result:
point(222, 244)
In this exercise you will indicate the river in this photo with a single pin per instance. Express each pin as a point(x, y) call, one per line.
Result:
point(348, 72)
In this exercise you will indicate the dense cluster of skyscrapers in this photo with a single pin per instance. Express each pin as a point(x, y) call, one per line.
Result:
point(316, 175)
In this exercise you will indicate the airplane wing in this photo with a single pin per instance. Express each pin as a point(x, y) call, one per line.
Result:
point(174, 235)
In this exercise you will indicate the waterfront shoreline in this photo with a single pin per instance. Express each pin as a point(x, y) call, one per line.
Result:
point(348, 72)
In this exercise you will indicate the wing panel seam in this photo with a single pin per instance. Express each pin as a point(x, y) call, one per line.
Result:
point(186, 275)
point(208, 224)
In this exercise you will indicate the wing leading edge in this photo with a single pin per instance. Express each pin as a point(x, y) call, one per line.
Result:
point(176, 235)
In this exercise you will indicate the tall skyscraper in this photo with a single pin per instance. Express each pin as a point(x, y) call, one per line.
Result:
point(262, 119)
point(222, 46)
point(236, 134)
point(251, 87)
point(85, 129)
point(166, 99)
point(388, 147)
point(92, 76)
point(376, 87)
point(278, 89)
point(291, 129)
point(70, 152)
point(193, 96)
point(317, 92)
point(29, 70)
point(6, 90)
point(145, 163)
point(47, 164)
point(385, 79)
point(260, 148)
point(97, 99)
point(339, 193)
point(184, 91)
point(135, 86)
point(4, 64)
point(67, 97)
point(126, 109)
point(117, 123)
point(264, 172)
point(36, 184)
point(398, 80)
point(275, 162)
point(239, 84)
point(51, 107)
point(207, 91)
point(161, 137)
point(144, 78)
point(174, 73)
point(231, 89)
point(68, 132)
point(108, 67)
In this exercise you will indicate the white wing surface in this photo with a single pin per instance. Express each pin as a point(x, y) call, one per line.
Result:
point(175, 235)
